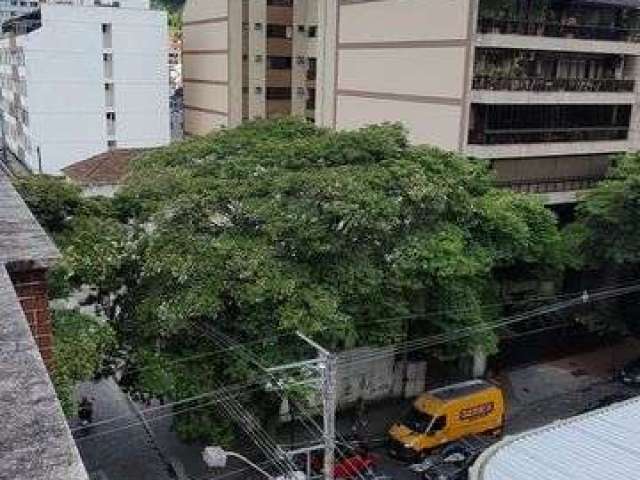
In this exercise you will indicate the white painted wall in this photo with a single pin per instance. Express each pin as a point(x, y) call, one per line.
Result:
point(427, 123)
point(404, 20)
point(65, 82)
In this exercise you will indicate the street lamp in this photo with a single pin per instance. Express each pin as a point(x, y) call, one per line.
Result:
point(216, 457)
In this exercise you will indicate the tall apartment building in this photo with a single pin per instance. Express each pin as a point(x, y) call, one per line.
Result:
point(79, 77)
point(248, 59)
point(548, 90)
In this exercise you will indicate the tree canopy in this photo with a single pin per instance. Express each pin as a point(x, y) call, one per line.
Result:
point(608, 218)
point(284, 226)
point(278, 226)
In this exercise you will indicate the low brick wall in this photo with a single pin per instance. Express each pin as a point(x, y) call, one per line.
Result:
point(32, 291)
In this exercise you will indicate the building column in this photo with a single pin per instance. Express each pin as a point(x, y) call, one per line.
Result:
point(257, 58)
point(32, 291)
point(326, 85)
point(632, 70)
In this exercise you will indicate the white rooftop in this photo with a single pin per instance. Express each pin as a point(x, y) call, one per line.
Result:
point(600, 445)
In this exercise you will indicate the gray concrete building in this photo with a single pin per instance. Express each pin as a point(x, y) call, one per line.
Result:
point(545, 89)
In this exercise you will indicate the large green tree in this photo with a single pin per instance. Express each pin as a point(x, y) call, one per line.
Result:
point(273, 227)
point(604, 241)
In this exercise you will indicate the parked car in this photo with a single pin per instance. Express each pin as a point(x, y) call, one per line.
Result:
point(630, 373)
point(446, 415)
point(454, 460)
point(353, 461)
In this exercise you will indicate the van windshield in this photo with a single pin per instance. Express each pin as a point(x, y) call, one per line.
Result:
point(417, 421)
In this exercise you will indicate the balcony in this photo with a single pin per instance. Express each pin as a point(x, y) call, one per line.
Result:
point(539, 84)
point(489, 25)
point(551, 185)
point(510, 136)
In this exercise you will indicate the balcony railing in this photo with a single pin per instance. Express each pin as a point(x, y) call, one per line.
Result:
point(563, 30)
point(545, 135)
point(551, 185)
point(539, 84)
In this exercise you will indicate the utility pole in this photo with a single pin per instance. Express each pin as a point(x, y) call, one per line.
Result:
point(328, 367)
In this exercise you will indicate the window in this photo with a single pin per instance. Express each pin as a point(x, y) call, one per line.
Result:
point(278, 93)
point(258, 90)
point(417, 421)
point(311, 99)
point(302, 28)
point(111, 116)
point(300, 91)
point(278, 31)
point(313, 31)
point(312, 72)
point(258, 58)
point(112, 144)
point(438, 424)
point(257, 26)
point(279, 63)
point(280, 3)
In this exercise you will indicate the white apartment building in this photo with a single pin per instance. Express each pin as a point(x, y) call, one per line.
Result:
point(79, 78)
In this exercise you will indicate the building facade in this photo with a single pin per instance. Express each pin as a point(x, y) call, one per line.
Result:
point(248, 59)
point(79, 78)
point(547, 90)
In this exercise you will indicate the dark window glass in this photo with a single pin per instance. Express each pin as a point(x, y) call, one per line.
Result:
point(439, 424)
point(279, 63)
point(278, 93)
point(277, 31)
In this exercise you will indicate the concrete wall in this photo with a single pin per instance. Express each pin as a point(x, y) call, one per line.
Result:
point(66, 83)
point(407, 61)
point(257, 15)
point(206, 72)
point(378, 379)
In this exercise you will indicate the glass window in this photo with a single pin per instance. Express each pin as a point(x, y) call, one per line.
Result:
point(439, 424)
point(417, 421)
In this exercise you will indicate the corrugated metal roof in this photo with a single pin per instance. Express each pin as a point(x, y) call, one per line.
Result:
point(600, 445)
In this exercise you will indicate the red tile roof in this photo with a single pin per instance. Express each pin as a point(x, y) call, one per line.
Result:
point(108, 168)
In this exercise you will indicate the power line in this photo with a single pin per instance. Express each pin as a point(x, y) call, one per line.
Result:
point(450, 311)
point(154, 419)
point(237, 389)
point(254, 430)
point(269, 339)
point(227, 340)
point(459, 334)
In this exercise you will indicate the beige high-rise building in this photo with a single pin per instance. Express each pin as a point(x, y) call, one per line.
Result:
point(546, 89)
